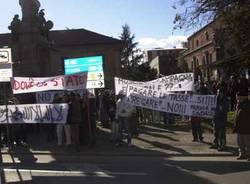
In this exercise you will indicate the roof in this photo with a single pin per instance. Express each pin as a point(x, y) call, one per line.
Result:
point(71, 37)
point(202, 29)
point(165, 49)
point(81, 37)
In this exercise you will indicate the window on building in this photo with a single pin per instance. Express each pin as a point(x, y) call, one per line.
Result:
point(210, 58)
point(194, 63)
point(207, 58)
point(207, 36)
point(203, 60)
point(197, 43)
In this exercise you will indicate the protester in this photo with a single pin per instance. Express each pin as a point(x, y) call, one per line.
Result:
point(91, 119)
point(243, 85)
point(156, 118)
point(196, 123)
point(52, 127)
point(114, 123)
point(220, 120)
point(104, 114)
point(203, 89)
point(65, 127)
point(83, 127)
point(196, 129)
point(123, 115)
point(232, 88)
point(75, 118)
point(242, 126)
point(168, 118)
point(3, 135)
point(221, 85)
point(17, 130)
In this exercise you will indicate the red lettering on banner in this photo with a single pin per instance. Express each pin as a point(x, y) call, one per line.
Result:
point(55, 83)
point(31, 84)
point(39, 84)
point(16, 85)
point(82, 79)
point(63, 81)
point(24, 85)
point(45, 83)
point(76, 79)
point(69, 80)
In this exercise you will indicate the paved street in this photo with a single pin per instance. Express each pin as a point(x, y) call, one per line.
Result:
point(159, 155)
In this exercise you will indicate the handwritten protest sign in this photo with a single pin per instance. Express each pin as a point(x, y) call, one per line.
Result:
point(182, 104)
point(34, 113)
point(171, 83)
point(63, 82)
point(48, 96)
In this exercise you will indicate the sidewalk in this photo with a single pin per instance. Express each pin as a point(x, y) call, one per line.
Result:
point(152, 141)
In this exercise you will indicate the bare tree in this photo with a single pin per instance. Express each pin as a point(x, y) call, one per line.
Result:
point(234, 14)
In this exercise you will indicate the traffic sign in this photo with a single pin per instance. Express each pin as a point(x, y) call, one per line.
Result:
point(5, 64)
point(95, 76)
point(93, 65)
point(5, 55)
point(95, 84)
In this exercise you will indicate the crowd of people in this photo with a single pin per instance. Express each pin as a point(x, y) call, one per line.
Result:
point(81, 118)
point(232, 95)
point(123, 119)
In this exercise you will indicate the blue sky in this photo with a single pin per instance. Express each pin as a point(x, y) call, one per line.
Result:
point(150, 20)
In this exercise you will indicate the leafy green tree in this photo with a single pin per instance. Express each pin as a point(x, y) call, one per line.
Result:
point(132, 65)
point(143, 72)
point(234, 14)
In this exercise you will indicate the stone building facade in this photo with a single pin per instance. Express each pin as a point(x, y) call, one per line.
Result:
point(163, 60)
point(202, 52)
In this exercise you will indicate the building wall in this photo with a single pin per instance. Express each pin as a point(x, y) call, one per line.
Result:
point(163, 60)
point(110, 53)
point(150, 54)
point(202, 51)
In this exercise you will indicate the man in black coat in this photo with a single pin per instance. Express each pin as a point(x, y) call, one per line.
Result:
point(242, 126)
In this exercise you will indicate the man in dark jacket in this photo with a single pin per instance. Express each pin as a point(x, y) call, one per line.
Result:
point(242, 126)
point(232, 89)
point(220, 120)
point(75, 118)
point(243, 85)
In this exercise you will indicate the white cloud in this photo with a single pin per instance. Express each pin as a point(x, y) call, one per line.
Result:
point(169, 42)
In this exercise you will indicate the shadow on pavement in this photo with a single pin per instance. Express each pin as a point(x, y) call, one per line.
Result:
point(215, 167)
point(118, 165)
point(165, 146)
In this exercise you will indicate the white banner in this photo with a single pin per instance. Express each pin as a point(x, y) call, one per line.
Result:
point(34, 113)
point(48, 96)
point(63, 82)
point(182, 104)
point(171, 83)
